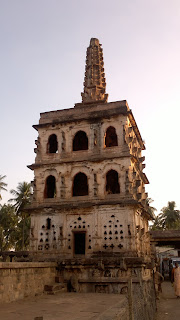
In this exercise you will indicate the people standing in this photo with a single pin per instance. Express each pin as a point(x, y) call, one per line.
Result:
point(176, 279)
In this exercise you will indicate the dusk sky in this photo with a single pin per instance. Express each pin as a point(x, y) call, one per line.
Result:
point(42, 65)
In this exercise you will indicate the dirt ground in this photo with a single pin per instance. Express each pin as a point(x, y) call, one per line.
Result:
point(168, 307)
point(73, 306)
point(64, 306)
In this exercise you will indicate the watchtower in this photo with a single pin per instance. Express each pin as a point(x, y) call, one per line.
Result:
point(89, 202)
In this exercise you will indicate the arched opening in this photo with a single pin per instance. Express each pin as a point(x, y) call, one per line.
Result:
point(80, 141)
point(50, 187)
point(112, 183)
point(80, 185)
point(111, 137)
point(52, 146)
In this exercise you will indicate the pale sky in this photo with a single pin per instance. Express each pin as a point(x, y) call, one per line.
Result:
point(42, 65)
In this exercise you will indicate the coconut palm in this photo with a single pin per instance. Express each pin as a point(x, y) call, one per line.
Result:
point(3, 185)
point(22, 197)
point(169, 218)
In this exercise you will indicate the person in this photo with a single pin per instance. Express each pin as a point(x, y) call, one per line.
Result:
point(176, 279)
point(170, 272)
point(158, 279)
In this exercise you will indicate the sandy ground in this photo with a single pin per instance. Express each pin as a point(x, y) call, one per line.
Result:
point(168, 307)
point(73, 306)
point(63, 306)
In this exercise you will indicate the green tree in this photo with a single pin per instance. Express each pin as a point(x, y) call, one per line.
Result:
point(169, 218)
point(3, 185)
point(20, 236)
point(8, 227)
point(151, 209)
point(22, 197)
point(157, 225)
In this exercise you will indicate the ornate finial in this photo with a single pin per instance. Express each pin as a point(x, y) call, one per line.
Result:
point(94, 81)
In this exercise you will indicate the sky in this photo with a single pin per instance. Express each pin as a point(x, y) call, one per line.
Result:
point(42, 64)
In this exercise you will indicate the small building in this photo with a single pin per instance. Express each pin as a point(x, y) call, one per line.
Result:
point(89, 210)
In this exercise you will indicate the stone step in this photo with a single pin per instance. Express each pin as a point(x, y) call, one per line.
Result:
point(53, 289)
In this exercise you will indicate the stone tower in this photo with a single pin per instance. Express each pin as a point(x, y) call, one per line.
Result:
point(89, 204)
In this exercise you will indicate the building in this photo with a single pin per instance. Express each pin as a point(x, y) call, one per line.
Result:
point(89, 210)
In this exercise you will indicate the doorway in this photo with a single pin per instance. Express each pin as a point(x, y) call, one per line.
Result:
point(79, 242)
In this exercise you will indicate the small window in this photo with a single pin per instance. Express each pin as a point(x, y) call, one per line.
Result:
point(80, 141)
point(50, 187)
point(48, 223)
point(80, 185)
point(79, 243)
point(52, 146)
point(111, 137)
point(112, 183)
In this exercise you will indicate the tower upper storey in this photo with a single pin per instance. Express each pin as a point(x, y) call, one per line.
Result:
point(94, 81)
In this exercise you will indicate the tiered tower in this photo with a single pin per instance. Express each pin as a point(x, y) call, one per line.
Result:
point(89, 210)
point(94, 82)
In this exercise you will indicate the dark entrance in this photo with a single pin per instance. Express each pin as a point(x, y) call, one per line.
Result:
point(79, 243)
point(111, 137)
point(50, 187)
point(52, 146)
point(80, 185)
point(80, 141)
point(112, 184)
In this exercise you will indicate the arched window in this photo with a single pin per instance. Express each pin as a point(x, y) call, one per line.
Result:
point(80, 185)
point(80, 141)
point(52, 146)
point(111, 137)
point(50, 187)
point(112, 183)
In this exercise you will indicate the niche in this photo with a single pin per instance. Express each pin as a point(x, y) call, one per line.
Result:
point(80, 141)
point(80, 185)
point(52, 146)
point(50, 187)
point(111, 137)
point(112, 183)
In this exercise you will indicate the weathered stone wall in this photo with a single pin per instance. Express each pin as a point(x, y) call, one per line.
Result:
point(143, 301)
point(19, 280)
point(109, 229)
point(22, 279)
point(136, 284)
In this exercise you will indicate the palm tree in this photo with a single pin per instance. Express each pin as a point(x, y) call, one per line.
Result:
point(3, 185)
point(151, 210)
point(169, 218)
point(22, 197)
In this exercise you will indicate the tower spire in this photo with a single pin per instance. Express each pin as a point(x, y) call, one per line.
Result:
point(94, 81)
